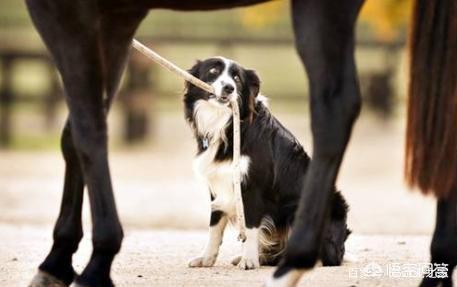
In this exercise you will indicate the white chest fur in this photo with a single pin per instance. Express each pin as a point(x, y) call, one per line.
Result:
point(211, 119)
point(219, 178)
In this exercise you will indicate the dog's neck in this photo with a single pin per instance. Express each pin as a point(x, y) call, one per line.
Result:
point(211, 122)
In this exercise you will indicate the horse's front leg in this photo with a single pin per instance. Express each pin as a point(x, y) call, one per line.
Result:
point(324, 32)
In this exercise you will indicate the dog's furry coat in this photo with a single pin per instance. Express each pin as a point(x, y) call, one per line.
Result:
point(273, 165)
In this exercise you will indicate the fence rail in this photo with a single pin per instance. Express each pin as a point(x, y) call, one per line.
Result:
point(140, 89)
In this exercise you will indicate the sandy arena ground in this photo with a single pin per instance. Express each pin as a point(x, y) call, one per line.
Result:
point(165, 211)
point(159, 258)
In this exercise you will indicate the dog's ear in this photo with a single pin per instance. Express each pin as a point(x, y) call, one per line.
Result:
point(194, 71)
point(253, 83)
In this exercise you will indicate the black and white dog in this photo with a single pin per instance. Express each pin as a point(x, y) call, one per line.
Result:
point(273, 166)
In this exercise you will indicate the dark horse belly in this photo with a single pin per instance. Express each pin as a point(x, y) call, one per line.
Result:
point(181, 5)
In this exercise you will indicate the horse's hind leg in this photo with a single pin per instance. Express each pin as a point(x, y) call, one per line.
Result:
point(89, 49)
point(324, 32)
point(444, 243)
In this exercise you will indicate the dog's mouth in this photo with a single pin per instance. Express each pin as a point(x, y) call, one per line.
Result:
point(224, 99)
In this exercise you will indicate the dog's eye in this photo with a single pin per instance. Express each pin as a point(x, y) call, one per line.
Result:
point(214, 71)
point(236, 78)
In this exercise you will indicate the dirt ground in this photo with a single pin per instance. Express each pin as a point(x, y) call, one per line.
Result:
point(159, 258)
point(165, 211)
point(155, 186)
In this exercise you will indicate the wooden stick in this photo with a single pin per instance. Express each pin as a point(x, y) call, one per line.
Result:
point(236, 170)
point(236, 128)
point(171, 67)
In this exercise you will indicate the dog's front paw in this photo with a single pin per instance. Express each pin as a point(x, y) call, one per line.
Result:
point(202, 261)
point(248, 263)
point(235, 260)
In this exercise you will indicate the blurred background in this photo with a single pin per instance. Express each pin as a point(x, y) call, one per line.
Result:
point(151, 147)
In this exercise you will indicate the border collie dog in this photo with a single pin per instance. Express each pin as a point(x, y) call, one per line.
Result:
point(273, 166)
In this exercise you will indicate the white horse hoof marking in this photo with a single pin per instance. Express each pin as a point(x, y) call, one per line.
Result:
point(43, 279)
point(290, 279)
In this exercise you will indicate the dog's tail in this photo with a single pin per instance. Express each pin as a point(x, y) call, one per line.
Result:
point(431, 137)
point(272, 241)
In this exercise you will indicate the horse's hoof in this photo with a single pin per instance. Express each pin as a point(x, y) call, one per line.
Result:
point(91, 280)
point(43, 279)
point(289, 279)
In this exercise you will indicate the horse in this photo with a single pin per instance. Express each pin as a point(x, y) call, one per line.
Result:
point(89, 41)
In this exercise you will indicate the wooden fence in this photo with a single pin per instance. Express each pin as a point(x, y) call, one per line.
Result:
point(136, 97)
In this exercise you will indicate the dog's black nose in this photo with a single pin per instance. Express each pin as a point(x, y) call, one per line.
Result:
point(228, 89)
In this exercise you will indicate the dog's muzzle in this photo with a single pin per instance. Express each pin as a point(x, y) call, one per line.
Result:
point(222, 99)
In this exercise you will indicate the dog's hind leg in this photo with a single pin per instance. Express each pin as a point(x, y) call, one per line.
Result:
point(272, 241)
point(218, 222)
point(444, 245)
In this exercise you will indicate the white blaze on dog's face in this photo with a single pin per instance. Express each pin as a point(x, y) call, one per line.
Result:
point(226, 77)
point(225, 85)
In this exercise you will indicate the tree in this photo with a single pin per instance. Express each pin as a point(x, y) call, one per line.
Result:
point(386, 18)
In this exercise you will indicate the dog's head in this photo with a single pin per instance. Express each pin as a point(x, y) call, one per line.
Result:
point(229, 80)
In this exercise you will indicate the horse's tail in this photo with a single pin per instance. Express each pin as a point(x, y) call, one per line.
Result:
point(431, 143)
